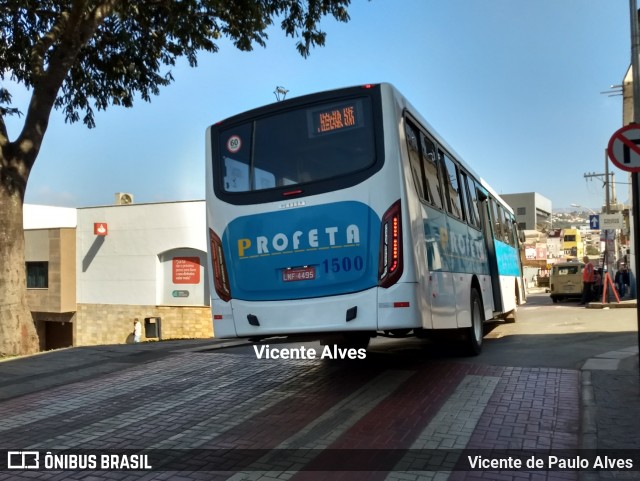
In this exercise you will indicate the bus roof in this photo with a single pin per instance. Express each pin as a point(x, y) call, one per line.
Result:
point(403, 103)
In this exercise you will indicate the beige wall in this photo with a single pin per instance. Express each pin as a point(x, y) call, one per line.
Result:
point(58, 247)
point(113, 324)
point(67, 270)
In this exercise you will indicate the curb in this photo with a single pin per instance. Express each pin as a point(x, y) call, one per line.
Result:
point(588, 424)
point(612, 305)
point(608, 361)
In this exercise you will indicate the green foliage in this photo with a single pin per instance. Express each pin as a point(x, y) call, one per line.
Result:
point(95, 53)
point(592, 251)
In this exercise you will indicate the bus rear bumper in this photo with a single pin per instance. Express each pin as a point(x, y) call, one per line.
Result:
point(352, 312)
point(372, 310)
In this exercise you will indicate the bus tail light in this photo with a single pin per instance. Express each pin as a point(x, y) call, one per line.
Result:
point(220, 277)
point(390, 258)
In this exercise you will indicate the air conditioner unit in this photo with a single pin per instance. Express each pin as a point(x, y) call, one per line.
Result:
point(122, 198)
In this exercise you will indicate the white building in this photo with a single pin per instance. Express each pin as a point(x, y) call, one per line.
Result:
point(144, 261)
point(532, 210)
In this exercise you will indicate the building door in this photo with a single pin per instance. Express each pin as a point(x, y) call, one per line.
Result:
point(58, 335)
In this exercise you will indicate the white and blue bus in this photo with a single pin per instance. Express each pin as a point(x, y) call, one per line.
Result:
point(343, 215)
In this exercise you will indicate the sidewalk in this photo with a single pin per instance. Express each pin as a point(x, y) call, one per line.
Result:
point(611, 303)
point(610, 406)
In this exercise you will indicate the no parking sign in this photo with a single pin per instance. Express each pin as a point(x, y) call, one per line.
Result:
point(624, 148)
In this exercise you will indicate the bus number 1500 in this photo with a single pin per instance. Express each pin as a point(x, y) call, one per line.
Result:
point(345, 264)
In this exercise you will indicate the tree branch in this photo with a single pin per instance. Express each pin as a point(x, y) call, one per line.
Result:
point(69, 35)
point(4, 136)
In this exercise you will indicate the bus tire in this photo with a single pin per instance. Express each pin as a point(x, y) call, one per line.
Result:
point(475, 333)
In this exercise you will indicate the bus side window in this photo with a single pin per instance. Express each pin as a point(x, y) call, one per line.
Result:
point(477, 198)
point(504, 226)
point(497, 229)
point(453, 189)
point(432, 185)
point(511, 229)
point(464, 208)
point(414, 158)
point(503, 230)
point(471, 200)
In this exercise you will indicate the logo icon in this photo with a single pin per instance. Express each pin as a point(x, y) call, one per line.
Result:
point(23, 459)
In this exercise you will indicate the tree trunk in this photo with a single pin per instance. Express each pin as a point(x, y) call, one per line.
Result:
point(17, 329)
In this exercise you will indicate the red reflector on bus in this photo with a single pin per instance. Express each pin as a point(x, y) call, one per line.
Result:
point(220, 277)
point(401, 304)
point(367, 86)
point(217, 317)
point(390, 256)
point(292, 192)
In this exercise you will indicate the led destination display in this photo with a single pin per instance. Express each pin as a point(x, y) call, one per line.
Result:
point(335, 118)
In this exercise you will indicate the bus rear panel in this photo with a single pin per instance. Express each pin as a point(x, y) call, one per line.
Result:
point(300, 238)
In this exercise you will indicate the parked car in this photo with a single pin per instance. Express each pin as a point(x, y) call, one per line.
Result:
point(565, 281)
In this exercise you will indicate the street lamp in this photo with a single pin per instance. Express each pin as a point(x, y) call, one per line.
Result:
point(582, 207)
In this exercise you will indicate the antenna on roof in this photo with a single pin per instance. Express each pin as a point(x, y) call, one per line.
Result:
point(280, 93)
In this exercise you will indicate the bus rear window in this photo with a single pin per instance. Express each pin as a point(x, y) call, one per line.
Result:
point(304, 145)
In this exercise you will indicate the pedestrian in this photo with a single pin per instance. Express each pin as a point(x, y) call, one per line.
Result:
point(597, 283)
point(137, 331)
point(587, 281)
point(619, 283)
point(625, 278)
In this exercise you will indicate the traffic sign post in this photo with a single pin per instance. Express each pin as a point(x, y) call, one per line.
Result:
point(635, 70)
point(594, 222)
point(624, 152)
point(611, 221)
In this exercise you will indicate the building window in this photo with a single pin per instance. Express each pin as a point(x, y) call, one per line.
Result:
point(521, 211)
point(37, 275)
point(522, 225)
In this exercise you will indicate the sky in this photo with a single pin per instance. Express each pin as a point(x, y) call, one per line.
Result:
point(513, 86)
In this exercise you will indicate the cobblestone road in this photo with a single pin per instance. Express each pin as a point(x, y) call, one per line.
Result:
point(295, 419)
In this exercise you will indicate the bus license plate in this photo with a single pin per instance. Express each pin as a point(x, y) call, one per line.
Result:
point(302, 274)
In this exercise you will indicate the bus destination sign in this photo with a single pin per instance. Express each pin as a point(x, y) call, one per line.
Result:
point(335, 118)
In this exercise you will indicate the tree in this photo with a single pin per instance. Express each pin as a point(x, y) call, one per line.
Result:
point(81, 55)
point(592, 251)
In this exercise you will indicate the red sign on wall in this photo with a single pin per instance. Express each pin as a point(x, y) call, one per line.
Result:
point(100, 228)
point(186, 270)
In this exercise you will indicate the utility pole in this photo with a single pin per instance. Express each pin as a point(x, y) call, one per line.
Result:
point(605, 176)
point(606, 182)
point(606, 257)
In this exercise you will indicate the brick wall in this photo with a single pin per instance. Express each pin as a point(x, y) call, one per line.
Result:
point(113, 324)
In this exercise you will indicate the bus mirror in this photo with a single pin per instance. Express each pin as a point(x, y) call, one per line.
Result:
point(522, 236)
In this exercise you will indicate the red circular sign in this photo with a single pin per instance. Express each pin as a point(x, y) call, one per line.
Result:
point(624, 148)
point(234, 144)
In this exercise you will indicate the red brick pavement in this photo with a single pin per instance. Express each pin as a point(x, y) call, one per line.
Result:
point(529, 409)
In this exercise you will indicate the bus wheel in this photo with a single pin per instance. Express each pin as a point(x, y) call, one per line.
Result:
point(476, 331)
